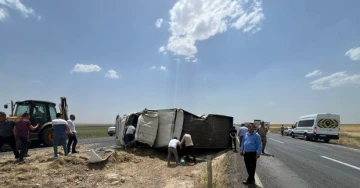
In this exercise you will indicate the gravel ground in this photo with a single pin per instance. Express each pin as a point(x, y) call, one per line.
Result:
point(236, 171)
point(89, 143)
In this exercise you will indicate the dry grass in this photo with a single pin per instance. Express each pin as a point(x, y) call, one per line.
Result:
point(219, 173)
point(349, 134)
point(146, 166)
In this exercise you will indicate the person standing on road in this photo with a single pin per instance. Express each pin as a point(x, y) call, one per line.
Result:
point(189, 146)
point(21, 132)
point(61, 128)
point(172, 150)
point(7, 134)
point(262, 131)
point(242, 131)
point(282, 130)
point(233, 136)
point(251, 150)
point(72, 135)
point(129, 134)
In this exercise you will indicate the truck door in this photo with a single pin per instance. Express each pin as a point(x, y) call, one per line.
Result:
point(328, 125)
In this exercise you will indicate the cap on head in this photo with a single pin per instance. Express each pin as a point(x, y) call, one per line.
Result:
point(25, 114)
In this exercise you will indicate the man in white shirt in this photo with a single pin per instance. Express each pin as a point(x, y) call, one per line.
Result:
point(172, 150)
point(189, 146)
point(72, 135)
point(129, 134)
point(61, 127)
point(242, 132)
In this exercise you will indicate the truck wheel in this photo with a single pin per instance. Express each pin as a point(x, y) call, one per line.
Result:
point(326, 140)
point(47, 136)
point(306, 137)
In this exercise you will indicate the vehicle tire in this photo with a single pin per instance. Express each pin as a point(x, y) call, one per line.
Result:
point(306, 137)
point(47, 136)
point(110, 134)
point(326, 140)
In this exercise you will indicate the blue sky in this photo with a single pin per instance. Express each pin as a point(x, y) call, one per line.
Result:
point(247, 59)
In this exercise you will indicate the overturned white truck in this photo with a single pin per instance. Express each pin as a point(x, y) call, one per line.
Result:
point(157, 127)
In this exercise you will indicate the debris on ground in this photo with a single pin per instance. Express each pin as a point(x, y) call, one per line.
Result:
point(147, 166)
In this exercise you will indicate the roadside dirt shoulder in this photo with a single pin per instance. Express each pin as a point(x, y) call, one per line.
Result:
point(133, 168)
point(236, 171)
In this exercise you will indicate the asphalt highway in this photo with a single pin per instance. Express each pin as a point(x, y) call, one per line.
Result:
point(298, 163)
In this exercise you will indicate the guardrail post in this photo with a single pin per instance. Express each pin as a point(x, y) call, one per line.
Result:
point(209, 171)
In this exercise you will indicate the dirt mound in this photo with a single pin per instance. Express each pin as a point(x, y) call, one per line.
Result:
point(122, 157)
point(68, 161)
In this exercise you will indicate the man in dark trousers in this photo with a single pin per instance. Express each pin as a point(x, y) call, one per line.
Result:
point(251, 150)
point(7, 134)
point(233, 136)
point(242, 132)
point(72, 135)
point(189, 147)
point(21, 132)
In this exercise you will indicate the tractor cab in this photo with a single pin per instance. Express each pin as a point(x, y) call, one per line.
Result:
point(42, 113)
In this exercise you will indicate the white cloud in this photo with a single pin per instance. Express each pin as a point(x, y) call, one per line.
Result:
point(86, 68)
point(162, 50)
point(112, 74)
point(3, 14)
point(163, 68)
point(192, 21)
point(353, 54)
point(335, 80)
point(159, 22)
point(19, 6)
point(271, 103)
point(313, 73)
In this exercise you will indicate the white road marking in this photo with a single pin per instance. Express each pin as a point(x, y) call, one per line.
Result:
point(349, 165)
point(276, 140)
point(344, 147)
point(257, 179)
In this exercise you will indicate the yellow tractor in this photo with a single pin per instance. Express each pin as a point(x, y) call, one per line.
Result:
point(42, 113)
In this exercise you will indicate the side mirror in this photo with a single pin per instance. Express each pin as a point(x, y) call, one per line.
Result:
point(5, 106)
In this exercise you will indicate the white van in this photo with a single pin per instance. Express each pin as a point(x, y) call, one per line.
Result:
point(323, 126)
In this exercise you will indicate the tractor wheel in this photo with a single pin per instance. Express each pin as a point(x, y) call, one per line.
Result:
point(47, 136)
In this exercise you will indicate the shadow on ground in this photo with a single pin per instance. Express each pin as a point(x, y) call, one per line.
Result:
point(143, 150)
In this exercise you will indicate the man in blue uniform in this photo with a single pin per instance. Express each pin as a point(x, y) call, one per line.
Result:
point(251, 150)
